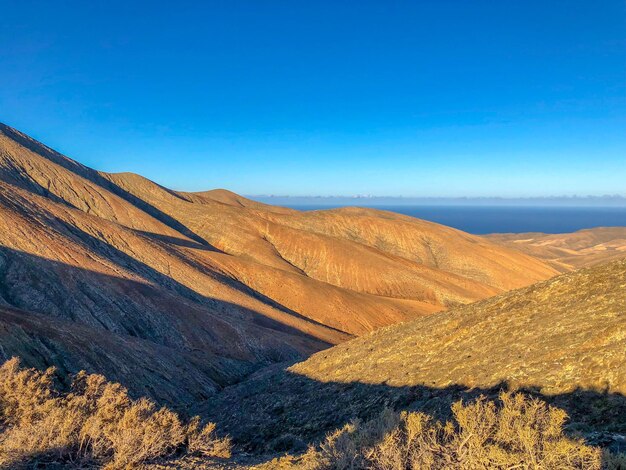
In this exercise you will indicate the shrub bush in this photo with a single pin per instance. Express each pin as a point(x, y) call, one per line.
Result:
point(95, 422)
point(517, 432)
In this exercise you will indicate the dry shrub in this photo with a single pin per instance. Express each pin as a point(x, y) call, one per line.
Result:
point(95, 422)
point(204, 441)
point(518, 432)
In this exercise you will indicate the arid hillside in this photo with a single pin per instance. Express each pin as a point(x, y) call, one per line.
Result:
point(562, 340)
point(212, 279)
point(558, 335)
point(568, 251)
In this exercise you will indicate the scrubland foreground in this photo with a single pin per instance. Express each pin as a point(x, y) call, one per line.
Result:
point(531, 379)
point(96, 424)
point(514, 432)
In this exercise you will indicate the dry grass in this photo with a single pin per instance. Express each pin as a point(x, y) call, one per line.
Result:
point(559, 335)
point(95, 423)
point(516, 432)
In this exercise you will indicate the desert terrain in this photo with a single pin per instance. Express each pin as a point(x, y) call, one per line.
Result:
point(222, 283)
point(568, 251)
point(317, 340)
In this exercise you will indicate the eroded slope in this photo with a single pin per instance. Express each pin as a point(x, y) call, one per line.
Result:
point(352, 270)
point(213, 276)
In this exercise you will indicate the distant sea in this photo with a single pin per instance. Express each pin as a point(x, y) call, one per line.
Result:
point(505, 219)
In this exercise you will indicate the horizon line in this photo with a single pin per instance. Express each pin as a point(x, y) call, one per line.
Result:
point(589, 202)
point(608, 197)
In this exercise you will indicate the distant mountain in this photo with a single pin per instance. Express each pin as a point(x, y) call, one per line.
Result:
point(567, 251)
point(116, 274)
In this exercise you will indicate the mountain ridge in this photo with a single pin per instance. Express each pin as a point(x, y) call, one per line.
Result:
point(215, 273)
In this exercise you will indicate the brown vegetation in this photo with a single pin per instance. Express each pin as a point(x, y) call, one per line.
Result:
point(95, 422)
point(514, 432)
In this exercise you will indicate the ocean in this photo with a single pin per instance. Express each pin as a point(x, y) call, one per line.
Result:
point(480, 220)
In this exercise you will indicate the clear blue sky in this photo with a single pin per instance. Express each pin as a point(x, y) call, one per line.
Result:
point(415, 98)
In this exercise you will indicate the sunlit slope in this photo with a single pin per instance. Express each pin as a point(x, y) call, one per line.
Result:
point(557, 335)
point(214, 277)
point(425, 243)
point(353, 270)
point(358, 249)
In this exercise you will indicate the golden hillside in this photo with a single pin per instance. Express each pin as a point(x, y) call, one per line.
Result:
point(565, 333)
point(225, 280)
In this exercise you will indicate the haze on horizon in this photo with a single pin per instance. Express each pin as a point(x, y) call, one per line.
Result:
point(419, 99)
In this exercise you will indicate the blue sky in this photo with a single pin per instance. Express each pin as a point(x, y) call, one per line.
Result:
point(416, 98)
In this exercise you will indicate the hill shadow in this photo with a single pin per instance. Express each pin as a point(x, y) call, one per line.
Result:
point(177, 241)
point(141, 269)
point(119, 257)
point(160, 287)
point(227, 341)
point(277, 410)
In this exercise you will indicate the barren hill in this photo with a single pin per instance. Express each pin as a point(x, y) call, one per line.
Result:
point(560, 334)
point(563, 339)
point(567, 251)
point(213, 277)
